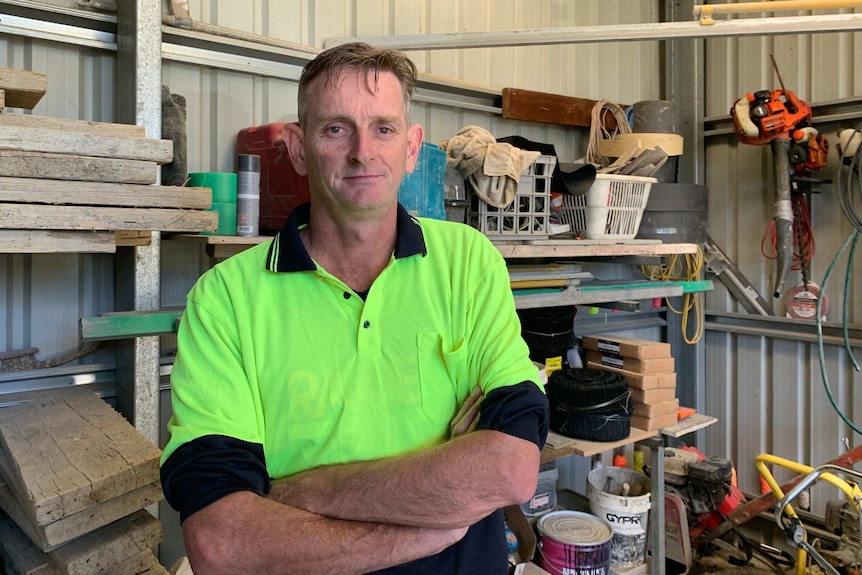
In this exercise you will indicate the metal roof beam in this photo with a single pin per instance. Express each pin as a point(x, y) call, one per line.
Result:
point(614, 33)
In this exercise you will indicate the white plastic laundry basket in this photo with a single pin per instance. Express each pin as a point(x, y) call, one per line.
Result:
point(611, 209)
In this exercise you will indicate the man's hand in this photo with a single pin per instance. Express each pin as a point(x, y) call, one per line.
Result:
point(467, 417)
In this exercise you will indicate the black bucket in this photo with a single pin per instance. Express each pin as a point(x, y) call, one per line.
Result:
point(676, 213)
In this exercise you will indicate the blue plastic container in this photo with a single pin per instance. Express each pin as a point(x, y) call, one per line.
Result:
point(422, 192)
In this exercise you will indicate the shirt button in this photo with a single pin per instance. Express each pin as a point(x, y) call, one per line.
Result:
point(347, 295)
point(366, 324)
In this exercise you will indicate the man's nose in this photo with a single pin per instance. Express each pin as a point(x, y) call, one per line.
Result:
point(362, 150)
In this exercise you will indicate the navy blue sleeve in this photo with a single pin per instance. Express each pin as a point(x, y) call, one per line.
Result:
point(519, 410)
point(208, 468)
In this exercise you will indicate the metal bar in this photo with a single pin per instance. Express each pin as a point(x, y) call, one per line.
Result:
point(779, 328)
point(753, 508)
point(229, 61)
point(706, 10)
point(137, 284)
point(614, 33)
point(822, 113)
point(43, 30)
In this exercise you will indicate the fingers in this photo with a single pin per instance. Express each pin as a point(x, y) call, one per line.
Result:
point(467, 417)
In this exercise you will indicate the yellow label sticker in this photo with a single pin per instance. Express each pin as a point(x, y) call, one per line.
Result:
point(553, 364)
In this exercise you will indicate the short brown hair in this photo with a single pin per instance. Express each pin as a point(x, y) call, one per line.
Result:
point(361, 57)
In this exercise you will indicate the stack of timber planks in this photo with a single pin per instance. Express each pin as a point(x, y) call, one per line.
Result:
point(79, 186)
point(75, 479)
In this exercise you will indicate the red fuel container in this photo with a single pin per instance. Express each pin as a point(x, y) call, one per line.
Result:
point(281, 188)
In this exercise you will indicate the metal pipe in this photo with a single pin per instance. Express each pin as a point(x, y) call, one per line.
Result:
point(614, 33)
point(811, 478)
point(706, 11)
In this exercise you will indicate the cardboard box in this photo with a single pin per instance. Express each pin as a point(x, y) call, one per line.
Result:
point(661, 364)
point(655, 409)
point(641, 380)
point(517, 522)
point(530, 569)
point(654, 423)
point(626, 346)
point(658, 395)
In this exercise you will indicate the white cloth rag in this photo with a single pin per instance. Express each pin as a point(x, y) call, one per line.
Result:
point(493, 169)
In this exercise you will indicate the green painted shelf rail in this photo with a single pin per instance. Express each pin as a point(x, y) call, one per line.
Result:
point(125, 325)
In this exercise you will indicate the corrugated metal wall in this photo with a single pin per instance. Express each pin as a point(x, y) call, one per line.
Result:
point(768, 393)
point(43, 296)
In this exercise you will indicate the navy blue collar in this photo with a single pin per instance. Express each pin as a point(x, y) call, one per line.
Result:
point(287, 253)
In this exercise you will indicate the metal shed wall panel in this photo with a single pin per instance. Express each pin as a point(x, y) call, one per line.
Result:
point(768, 394)
point(775, 403)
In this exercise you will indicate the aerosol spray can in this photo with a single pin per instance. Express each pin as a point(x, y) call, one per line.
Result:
point(247, 194)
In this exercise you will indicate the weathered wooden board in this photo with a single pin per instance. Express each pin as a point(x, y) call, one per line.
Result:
point(74, 126)
point(71, 451)
point(40, 217)
point(2, 99)
point(550, 108)
point(56, 241)
point(73, 167)
point(20, 556)
point(23, 89)
point(102, 549)
point(156, 568)
point(60, 142)
point(52, 536)
point(133, 238)
point(27, 190)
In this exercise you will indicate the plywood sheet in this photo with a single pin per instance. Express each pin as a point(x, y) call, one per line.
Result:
point(45, 191)
point(128, 539)
point(76, 167)
point(55, 241)
point(52, 536)
point(22, 89)
point(71, 451)
point(20, 556)
point(44, 217)
point(62, 142)
point(75, 126)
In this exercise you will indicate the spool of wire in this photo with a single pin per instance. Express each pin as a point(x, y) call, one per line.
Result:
point(589, 404)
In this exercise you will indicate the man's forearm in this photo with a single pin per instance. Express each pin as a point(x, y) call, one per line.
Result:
point(246, 533)
point(452, 485)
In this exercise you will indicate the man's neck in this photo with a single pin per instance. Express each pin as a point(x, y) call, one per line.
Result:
point(355, 254)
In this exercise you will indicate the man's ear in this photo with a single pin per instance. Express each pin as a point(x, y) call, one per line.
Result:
point(294, 138)
point(414, 141)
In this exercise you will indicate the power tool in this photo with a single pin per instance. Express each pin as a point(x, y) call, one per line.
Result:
point(779, 118)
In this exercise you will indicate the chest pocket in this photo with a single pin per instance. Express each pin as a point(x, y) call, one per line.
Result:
point(442, 377)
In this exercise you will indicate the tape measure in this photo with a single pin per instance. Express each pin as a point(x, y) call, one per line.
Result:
point(801, 302)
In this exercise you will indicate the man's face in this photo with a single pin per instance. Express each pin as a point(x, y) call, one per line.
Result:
point(357, 144)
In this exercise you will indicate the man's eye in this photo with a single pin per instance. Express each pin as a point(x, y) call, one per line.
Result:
point(335, 129)
point(385, 130)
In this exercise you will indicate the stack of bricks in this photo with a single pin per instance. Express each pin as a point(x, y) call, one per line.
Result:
point(75, 479)
point(648, 366)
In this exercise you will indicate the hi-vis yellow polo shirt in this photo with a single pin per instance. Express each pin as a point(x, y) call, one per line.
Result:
point(278, 354)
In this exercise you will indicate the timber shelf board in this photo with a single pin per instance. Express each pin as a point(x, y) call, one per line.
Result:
point(688, 425)
point(221, 247)
point(559, 446)
point(588, 248)
point(586, 448)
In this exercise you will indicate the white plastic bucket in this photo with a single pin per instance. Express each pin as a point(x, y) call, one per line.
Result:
point(627, 515)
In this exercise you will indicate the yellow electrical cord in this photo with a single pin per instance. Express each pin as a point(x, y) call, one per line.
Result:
point(672, 270)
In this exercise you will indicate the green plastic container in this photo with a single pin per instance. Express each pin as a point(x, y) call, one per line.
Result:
point(223, 186)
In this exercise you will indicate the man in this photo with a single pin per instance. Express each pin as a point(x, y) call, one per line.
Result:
point(335, 358)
